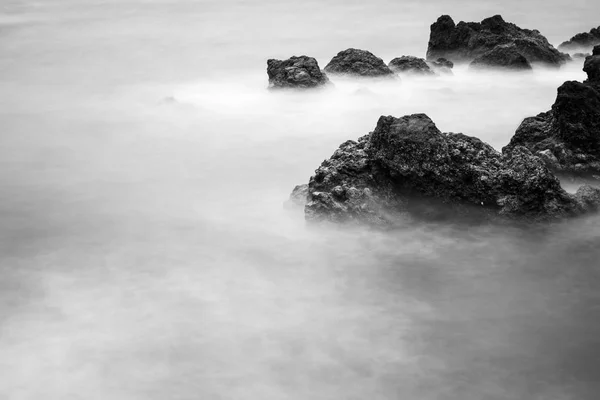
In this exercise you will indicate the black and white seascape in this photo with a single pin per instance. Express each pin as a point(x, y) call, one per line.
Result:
point(285, 200)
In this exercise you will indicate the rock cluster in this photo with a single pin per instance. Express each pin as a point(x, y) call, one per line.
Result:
point(296, 72)
point(357, 62)
point(465, 41)
point(410, 65)
point(407, 165)
point(585, 41)
point(567, 137)
point(506, 57)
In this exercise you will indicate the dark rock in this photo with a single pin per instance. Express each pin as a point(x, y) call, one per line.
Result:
point(503, 57)
point(465, 41)
point(410, 65)
point(596, 51)
point(568, 136)
point(358, 63)
point(296, 72)
point(582, 41)
point(407, 165)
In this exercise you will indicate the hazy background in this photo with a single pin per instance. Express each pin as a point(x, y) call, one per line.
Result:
point(145, 252)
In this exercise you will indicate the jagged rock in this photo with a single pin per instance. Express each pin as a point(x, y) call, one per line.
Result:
point(296, 72)
point(582, 41)
point(358, 63)
point(505, 57)
point(568, 136)
point(407, 165)
point(410, 65)
point(465, 41)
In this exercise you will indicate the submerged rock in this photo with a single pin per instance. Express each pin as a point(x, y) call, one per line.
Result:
point(568, 136)
point(297, 197)
point(296, 72)
point(465, 41)
point(410, 65)
point(442, 66)
point(407, 165)
point(505, 57)
point(581, 55)
point(358, 63)
point(582, 41)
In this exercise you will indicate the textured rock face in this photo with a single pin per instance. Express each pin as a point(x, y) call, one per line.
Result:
point(505, 57)
point(296, 72)
point(568, 136)
point(465, 41)
point(407, 162)
point(582, 41)
point(358, 63)
point(442, 66)
point(410, 65)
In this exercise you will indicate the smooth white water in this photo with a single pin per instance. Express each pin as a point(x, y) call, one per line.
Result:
point(146, 254)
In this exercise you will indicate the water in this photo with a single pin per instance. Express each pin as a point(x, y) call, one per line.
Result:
point(146, 253)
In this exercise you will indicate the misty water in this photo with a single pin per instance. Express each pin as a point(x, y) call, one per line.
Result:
point(146, 252)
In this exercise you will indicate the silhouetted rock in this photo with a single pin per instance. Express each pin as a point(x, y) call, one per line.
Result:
point(502, 57)
point(465, 41)
point(582, 41)
point(410, 65)
point(296, 72)
point(407, 165)
point(358, 63)
point(568, 136)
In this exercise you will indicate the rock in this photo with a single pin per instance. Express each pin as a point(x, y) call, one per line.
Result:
point(580, 55)
point(410, 65)
point(465, 41)
point(442, 66)
point(296, 72)
point(406, 165)
point(582, 41)
point(297, 197)
point(505, 57)
point(568, 136)
point(358, 63)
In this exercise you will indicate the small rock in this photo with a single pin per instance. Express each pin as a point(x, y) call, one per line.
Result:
point(358, 63)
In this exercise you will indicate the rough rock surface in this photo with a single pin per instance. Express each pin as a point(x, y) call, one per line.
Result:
point(410, 65)
point(568, 136)
point(505, 57)
point(407, 165)
point(465, 41)
point(295, 72)
point(358, 63)
point(582, 41)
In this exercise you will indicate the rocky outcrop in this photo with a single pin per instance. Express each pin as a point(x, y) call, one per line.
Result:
point(568, 136)
point(406, 165)
point(506, 57)
point(410, 65)
point(582, 41)
point(358, 63)
point(465, 41)
point(296, 72)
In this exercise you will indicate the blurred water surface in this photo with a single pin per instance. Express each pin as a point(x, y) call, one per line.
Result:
point(145, 252)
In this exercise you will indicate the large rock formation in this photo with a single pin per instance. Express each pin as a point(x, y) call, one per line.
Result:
point(506, 57)
point(582, 41)
point(407, 165)
point(296, 72)
point(410, 65)
point(358, 63)
point(568, 136)
point(465, 41)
